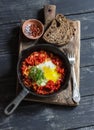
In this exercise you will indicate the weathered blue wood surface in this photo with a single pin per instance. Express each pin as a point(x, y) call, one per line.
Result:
point(36, 116)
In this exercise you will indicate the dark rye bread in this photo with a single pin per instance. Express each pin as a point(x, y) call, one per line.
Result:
point(60, 31)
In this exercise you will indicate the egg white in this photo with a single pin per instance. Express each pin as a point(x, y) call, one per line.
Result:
point(47, 64)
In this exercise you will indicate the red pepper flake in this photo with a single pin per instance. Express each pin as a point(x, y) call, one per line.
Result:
point(33, 30)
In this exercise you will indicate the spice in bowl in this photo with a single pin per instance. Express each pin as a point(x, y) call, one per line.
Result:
point(33, 29)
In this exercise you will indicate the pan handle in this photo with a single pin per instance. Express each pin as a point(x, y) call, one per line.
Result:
point(13, 105)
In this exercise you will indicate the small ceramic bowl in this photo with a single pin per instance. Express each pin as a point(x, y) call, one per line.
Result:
point(32, 29)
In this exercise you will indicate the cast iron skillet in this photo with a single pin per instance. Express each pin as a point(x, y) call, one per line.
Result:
point(46, 47)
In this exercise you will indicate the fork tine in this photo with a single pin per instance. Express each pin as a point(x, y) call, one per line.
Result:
point(72, 54)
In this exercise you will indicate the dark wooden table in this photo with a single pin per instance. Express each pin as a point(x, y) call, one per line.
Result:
point(39, 116)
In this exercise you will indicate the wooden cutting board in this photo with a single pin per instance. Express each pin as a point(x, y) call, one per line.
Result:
point(65, 96)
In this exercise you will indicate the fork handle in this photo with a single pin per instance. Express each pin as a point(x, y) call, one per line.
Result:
point(76, 93)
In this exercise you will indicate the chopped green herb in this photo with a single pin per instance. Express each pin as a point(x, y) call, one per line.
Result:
point(36, 75)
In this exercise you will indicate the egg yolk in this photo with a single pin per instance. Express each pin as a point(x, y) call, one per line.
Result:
point(51, 73)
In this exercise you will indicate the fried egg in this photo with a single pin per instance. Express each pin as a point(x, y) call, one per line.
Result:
point(49, 70)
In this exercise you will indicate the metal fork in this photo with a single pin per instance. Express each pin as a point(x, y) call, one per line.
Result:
point(76, 93)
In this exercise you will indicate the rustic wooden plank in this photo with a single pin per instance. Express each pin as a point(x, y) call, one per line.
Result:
point(73, 7)
point(16, 10)
point(9, 38)
point(8, 64)
point(64, 97)
point(87, 81)
point(86, 128)
point(51, 117)
point(87, 52)
point(7, 88)
point(87, 22)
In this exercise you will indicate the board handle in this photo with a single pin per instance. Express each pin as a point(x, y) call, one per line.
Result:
point(49, 13)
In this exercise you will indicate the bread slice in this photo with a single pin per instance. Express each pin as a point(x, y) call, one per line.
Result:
point(60, 31)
